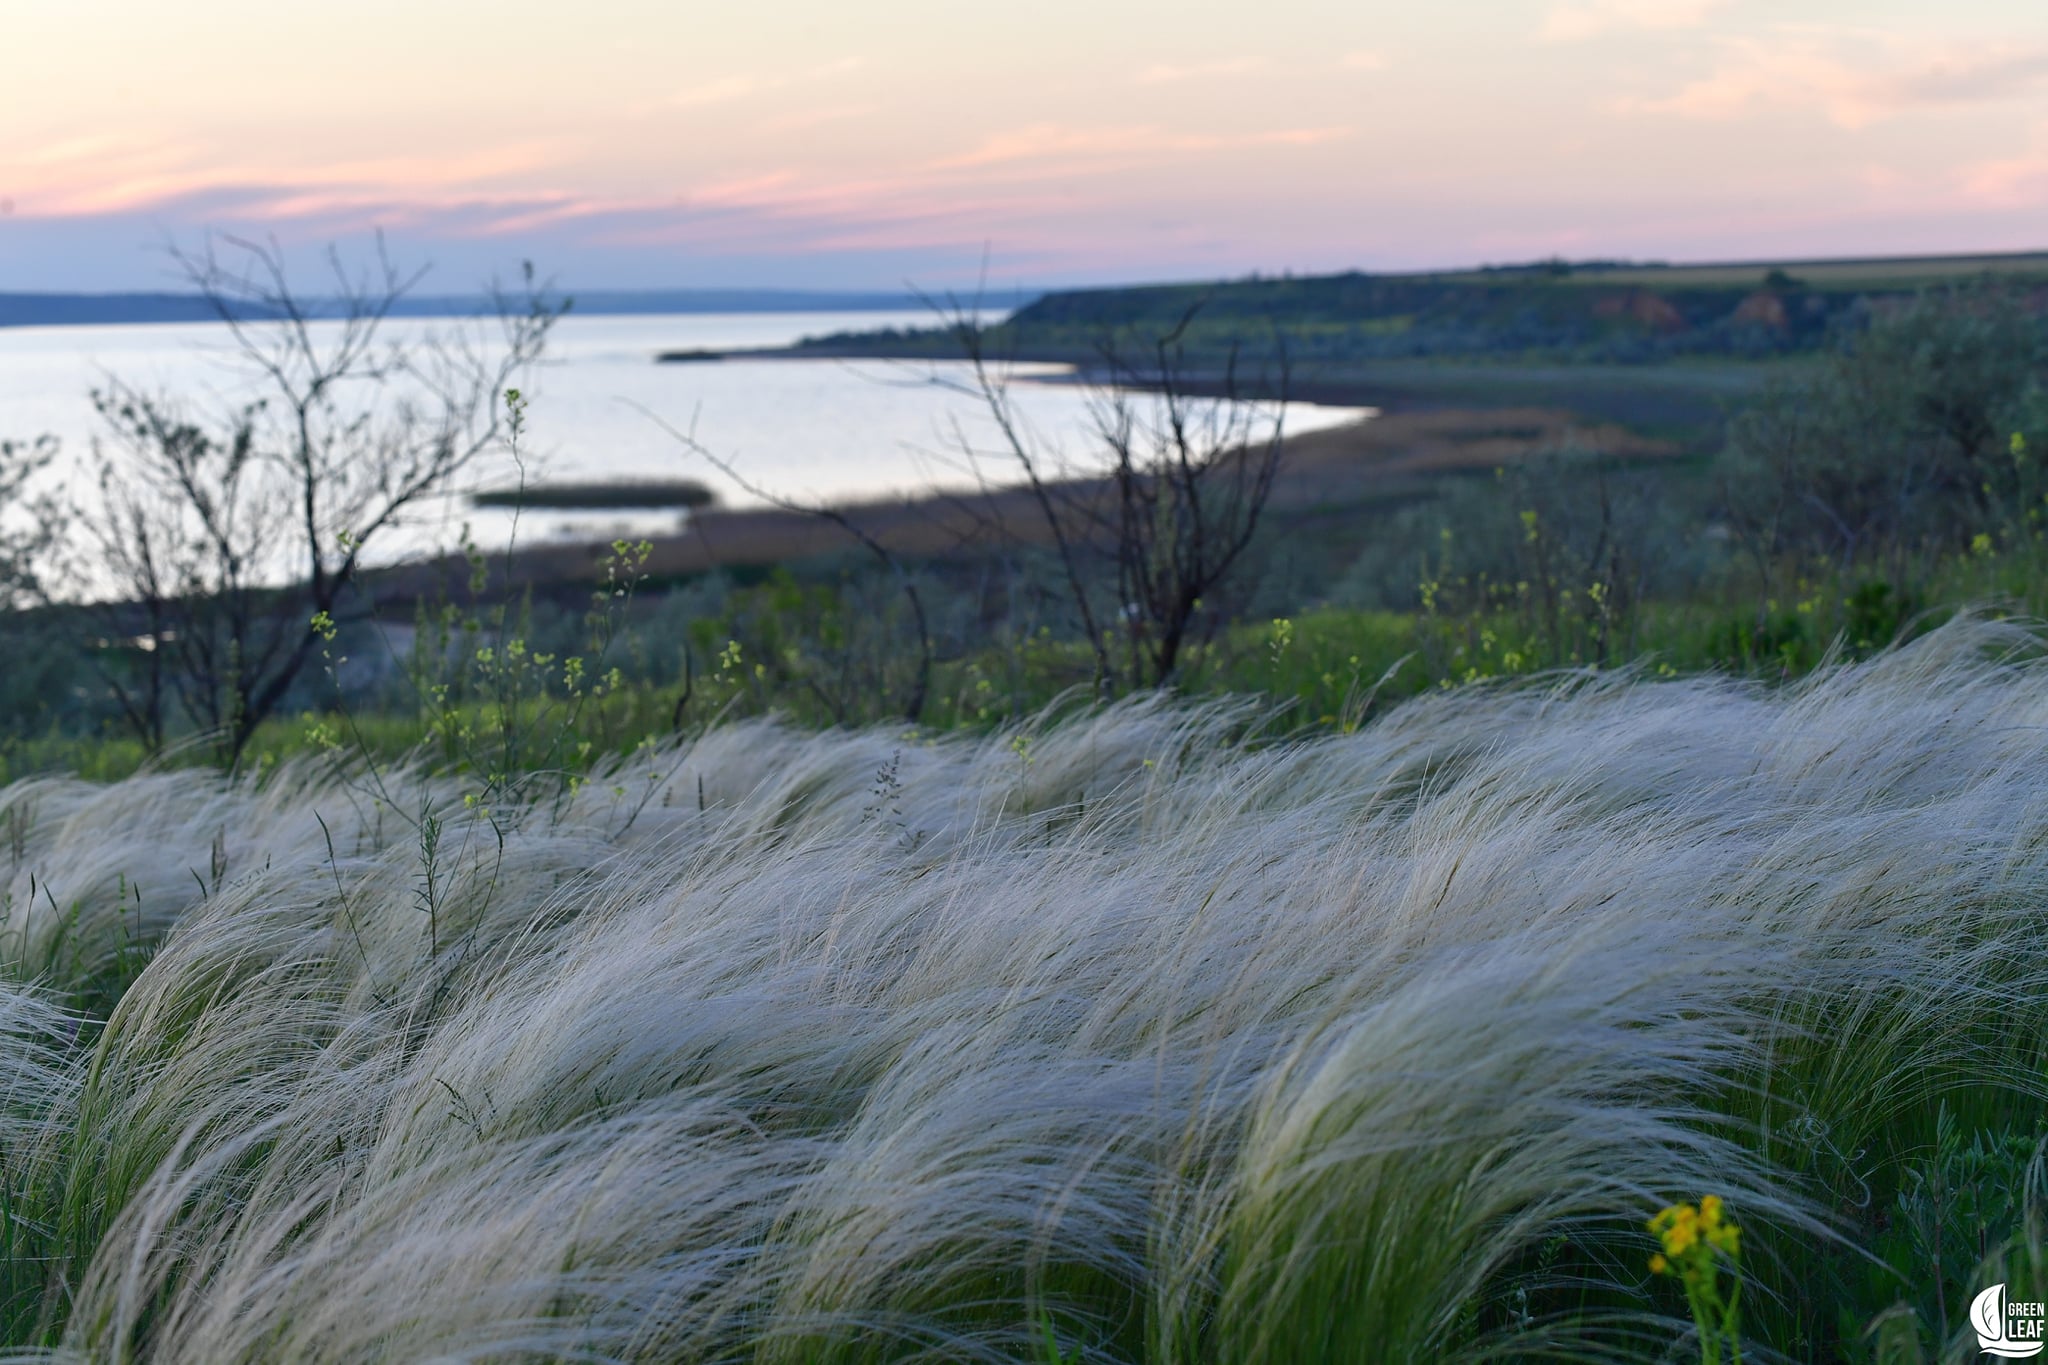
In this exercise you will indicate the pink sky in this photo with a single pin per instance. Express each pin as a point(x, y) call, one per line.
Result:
point(813, 143)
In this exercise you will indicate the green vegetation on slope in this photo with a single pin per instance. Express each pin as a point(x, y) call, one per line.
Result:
point(1596, 312)
point(1867, 493)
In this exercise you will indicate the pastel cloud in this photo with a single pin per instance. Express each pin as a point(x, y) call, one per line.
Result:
point(2008, 182)
point(1076, 146)
point(107, 175)
point(1852, 80)
point(650, 144)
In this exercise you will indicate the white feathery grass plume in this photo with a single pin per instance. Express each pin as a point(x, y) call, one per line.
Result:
point(852, 1046)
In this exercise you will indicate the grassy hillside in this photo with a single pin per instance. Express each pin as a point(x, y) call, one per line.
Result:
point(1134, 1038)
point(1856, 274)
point(1591, 312)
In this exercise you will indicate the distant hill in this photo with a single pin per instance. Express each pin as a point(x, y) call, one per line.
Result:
point(72, 310)
point(1601, 311)
point(61, 310)
point(626, 301)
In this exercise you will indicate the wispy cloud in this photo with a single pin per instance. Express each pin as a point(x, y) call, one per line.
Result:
point(2011, 182)
point(1577, 22)
point(122, 176)
point(1853, 82)
point(747, 190)
point(1048, 141)
point(1968, 78)
point(95, 149)
point(2019, 180)
point(1028, 175)
point(97, 171)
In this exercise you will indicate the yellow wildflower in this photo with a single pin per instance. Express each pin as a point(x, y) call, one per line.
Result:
point(1699, 1243)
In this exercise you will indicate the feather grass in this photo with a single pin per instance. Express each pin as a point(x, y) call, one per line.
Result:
point(864, 1046)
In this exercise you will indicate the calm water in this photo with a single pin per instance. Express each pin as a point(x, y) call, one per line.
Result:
point(802, 429)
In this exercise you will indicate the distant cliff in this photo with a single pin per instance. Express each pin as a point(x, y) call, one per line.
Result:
point(71, 310)
point(1608, 312)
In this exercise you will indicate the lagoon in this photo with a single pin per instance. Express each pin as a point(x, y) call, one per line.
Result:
point(811, 430)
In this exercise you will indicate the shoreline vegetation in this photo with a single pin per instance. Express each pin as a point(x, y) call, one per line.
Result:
point(1379, 461)
point(1499, 515)
point(1502, 512)
point(1642, 361)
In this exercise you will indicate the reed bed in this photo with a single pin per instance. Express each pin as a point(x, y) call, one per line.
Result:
point(1134, 1030)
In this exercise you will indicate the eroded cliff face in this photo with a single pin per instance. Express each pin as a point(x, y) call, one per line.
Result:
point(1764, 308)
point(1643, 307)
point(1653, 312)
